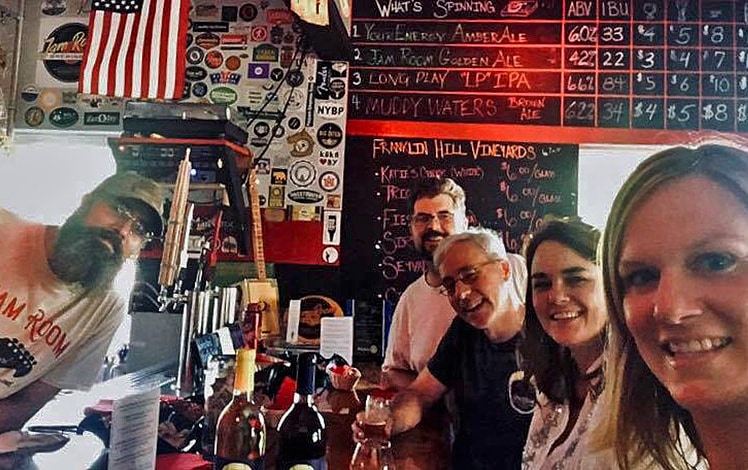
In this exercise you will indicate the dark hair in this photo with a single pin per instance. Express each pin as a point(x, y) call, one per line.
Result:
point(644, 420)
point(543, 358)
point(432, 187)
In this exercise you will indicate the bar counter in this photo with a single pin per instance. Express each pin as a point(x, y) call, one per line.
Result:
point(424, 447)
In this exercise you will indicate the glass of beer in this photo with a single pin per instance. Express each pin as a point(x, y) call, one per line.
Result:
point(377, 418)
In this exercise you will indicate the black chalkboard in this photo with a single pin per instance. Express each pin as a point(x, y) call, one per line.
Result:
point(616, 64)
point(509, 187)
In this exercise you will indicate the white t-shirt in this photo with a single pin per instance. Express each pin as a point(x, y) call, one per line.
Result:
point(421, 318)
point(48, 330)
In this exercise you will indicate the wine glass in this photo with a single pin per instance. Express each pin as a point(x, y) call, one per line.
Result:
point(373, 454)
point(377, 418)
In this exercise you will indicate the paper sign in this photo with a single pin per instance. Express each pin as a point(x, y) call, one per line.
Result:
point(134, 431)
point(337, 337)
point(292, 331)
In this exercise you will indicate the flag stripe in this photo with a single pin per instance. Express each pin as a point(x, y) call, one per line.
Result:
point(135, 50)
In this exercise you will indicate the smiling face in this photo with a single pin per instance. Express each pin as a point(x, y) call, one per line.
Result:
point(481, 290)
point(445, 220)
point(684, 267)
point(567, 295)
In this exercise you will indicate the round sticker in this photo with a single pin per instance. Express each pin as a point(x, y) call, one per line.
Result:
point(49, 98)
point(34, 116)
point(295, 78)
point(277, 74)
point(190, 38)
point(279, 131)
point(294, 123)
point(233, 63)
point(199, 89)
point(195, 55)
point(213, 59)
point(70, 37)
point(63, 117)
point(261, 129)
point(248, 12)
point(54, 7)
point(30, 93)
point(330, 254)
point(329, 135)
point(337, 89)
point(295, 99)
point(329, 181)
point(302, 173)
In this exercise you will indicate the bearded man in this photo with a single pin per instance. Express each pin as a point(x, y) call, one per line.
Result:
point(58, 310)
point(422, 315)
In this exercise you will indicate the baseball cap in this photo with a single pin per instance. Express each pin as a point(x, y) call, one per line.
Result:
point(132, 187)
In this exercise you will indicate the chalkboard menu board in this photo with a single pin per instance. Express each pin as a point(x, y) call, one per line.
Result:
point(509, 187)
point(618, 64)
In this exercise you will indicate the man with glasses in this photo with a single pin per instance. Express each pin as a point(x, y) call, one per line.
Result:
point(437, 209)
point(58, 310)
point(476, 357)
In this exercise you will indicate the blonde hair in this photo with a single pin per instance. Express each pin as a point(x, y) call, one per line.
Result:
point(643, 421)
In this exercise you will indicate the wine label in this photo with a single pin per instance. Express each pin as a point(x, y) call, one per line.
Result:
point(316, 464)
point(236, 464)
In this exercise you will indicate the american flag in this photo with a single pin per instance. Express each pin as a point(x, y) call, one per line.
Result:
point(135, 49)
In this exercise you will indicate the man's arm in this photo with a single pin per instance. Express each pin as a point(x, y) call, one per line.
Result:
point(18, 408)
point(409, 405)
point(398, 379)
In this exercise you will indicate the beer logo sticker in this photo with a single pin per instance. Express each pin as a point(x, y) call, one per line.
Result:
point(258, 70)
point(337, 89)
point(276, 196)
point(62, 51)
point(63, 117)
point(329, 135)
point(54, 7)
point(295, 99)
point(199, 89)
point(259, 34)
point(233, 63)
point(277, 74)
point(278, 176)
point(265, 53)
point(229, 13)
point(334, 201)
point(305, 196)
point(261, 129)
point(207, 40)
point(214, 59)
point(223, 95)
point(276, 34)
point(294, 123)
point(248, 12)
point(194, 74)
point(302, 173)
point(329, 181)
point(34, 116)
point(331, 228)
point(195, 55)
point(295, 78)
point(330, 255)
point(302, 144)
point(30, 93)
point(279, 16)
point(101, 119)
point(329, 157)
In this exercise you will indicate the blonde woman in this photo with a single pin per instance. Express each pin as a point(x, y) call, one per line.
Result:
point(675, 267)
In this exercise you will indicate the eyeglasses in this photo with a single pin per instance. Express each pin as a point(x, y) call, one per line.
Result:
point(467, 275)
point(136, 226)
point(422, 219)
point(522, 393)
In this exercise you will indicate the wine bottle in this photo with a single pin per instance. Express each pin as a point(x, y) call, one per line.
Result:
point(241, 434)
point(302, 436)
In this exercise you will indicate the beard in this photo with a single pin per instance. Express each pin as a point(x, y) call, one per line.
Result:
point(89, 256)
point(426, 251)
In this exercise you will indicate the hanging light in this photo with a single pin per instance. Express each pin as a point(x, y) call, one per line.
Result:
point(312, 11)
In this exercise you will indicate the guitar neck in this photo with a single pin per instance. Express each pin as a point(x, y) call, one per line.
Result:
point(258, 248)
